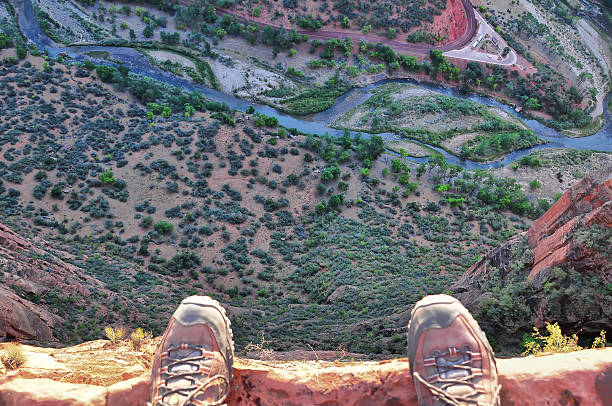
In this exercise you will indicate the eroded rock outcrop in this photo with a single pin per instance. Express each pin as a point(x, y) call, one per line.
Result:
point(33, 270)
point(21, 319)
point(555, 237)
point(98, 374)
point(559, 270)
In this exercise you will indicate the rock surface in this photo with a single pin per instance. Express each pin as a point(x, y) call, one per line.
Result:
point(564, 263)
point(552, 236)
point(100, 374)
point(33, 270)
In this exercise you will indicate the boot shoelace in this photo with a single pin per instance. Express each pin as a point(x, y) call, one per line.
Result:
point(458, 372)
point(194, 373)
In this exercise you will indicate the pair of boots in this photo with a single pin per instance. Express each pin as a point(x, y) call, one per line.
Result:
point(451, 360)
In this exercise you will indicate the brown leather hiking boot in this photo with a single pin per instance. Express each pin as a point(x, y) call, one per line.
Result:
point(451, 360)
point(193, 364)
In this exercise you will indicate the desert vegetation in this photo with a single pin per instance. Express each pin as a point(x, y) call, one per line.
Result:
point(253, 214)
point(551, 36)
point(158, 193)
point(196, 30)
point(386, 19)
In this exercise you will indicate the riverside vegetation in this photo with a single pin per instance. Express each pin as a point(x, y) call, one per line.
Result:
point(311, 239)
point(482, 133)
point(158, 193)
point(329, 67)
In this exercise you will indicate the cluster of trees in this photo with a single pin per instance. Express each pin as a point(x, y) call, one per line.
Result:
point(342, 149)
point(202, 17)
point(160, 99)
point(309, 22)
point(262, 120)
point(163, 5)
point(170, 38)
point(489, 191)
point(494, 145)
point(313, 100)
point(562, 13)
point(400, 16)
point(5, 41)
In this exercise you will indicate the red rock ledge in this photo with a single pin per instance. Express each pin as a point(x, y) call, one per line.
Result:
point(97, 374)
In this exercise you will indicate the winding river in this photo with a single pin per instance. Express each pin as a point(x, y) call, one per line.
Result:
point(318, 123)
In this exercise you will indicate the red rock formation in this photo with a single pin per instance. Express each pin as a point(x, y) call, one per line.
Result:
point(452, 22)
point(105, 377)
point(572, 236)
point(551, 237)
point(33, 271)
point(21, 319)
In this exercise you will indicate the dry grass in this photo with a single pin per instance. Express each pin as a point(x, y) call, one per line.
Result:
point(260, 351)
point(139, 336)
point(14, 357)
point(114, 334)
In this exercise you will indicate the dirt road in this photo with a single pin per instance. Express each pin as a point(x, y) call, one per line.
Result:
point(420, 49)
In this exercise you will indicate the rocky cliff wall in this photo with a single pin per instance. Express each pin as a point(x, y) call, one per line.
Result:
point(560, 270)
point(31, 268)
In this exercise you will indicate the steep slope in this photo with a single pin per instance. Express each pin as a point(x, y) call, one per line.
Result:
point(30, 271)
point(559, 270)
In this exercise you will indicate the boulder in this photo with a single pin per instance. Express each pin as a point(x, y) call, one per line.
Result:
point(21, 319)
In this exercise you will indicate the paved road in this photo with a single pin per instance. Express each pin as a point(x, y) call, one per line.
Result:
point(471, 54)
point(421, 49)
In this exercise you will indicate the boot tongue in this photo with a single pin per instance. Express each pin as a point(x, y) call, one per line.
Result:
point(446, 366)
point(181, 382)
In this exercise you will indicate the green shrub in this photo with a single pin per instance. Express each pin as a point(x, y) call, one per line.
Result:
point(5, 41)
point(163, 227)
point(107, 177)
point(147, 221)
point(106, 73)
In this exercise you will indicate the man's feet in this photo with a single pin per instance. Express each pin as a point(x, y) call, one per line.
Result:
point(193, 364)
point(451, 360)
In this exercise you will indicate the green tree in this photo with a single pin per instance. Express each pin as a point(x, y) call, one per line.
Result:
point(166, 112)
point(436, 56)
point(163, 227)
point(532, 104)
point(107, 177)
point(336, 201)
point(148, 31)
point(106, 73)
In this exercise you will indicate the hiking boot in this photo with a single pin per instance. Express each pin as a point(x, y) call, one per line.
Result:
point(451, 360)
point(193, 364)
